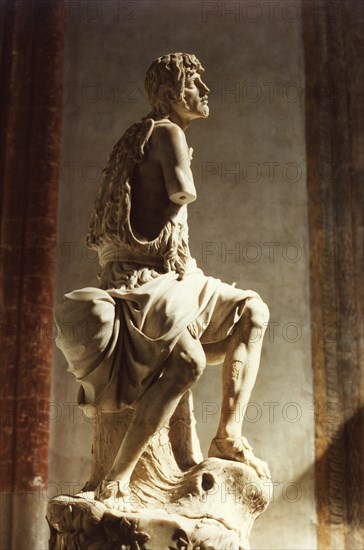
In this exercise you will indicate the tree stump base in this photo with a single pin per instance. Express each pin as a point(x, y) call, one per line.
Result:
point(213, 507)
point(182, 502)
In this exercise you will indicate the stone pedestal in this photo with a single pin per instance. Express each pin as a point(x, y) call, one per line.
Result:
point(182, 502)
point(81, 523)
point(212, 508)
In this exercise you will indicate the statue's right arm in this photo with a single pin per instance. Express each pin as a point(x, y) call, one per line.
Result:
point(171, 151)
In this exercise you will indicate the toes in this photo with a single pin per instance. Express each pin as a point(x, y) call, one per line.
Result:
point(260, 467)
point(114, 496)
point(109, 503)
point(122, 507)
point(263, 471)
point(241, 451)
point(119, 503)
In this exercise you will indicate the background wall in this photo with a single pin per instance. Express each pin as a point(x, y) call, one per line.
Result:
point(31, 82)
point(249, 224)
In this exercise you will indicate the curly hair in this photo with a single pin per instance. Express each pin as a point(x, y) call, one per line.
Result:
point(165, 80)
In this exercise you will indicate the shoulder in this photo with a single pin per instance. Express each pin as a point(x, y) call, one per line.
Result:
point(167, 133)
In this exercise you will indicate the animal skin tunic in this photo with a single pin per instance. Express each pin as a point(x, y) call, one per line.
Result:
point(117, 338)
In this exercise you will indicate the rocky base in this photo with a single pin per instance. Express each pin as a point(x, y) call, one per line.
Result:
point(181, 501)
point(213, 509)
point(80, 523)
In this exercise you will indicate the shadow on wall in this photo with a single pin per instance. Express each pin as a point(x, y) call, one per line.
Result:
point(339, 477)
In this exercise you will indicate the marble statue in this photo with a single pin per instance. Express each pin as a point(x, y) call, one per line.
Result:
point(139, 342)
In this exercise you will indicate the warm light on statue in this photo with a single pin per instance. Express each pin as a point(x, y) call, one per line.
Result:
point(139, 342)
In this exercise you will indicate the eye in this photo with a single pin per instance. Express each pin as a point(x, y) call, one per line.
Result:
point(190, 82)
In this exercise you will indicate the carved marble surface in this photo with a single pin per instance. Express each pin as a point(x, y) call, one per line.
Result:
point(217, 512)
point(139, 342)
point(87, 524)
point(208, 505)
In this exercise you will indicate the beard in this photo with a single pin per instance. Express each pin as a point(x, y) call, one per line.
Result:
point(205, 110)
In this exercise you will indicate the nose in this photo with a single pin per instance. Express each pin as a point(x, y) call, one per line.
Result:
point(204, 89)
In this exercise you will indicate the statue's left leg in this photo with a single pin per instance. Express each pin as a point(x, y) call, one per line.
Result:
point(240, 370)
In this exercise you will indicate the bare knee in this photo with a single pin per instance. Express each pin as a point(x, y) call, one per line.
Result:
point(190, 361)
point(258, 313)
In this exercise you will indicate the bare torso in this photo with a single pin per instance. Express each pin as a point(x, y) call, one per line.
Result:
point(153, 183)
point(151, 206)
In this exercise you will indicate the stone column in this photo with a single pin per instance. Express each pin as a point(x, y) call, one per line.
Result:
point(31, 73)
point(333, 38)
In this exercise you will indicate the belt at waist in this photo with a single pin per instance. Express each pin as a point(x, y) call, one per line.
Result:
point(111, 253)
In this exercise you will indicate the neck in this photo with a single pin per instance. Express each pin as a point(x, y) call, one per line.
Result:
point(181, 122)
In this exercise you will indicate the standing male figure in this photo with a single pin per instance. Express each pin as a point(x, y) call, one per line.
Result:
point(173, 318)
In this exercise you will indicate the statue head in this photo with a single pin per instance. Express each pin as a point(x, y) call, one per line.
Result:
point(166, 79)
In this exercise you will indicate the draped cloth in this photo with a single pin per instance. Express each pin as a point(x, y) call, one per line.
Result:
point(117, 341)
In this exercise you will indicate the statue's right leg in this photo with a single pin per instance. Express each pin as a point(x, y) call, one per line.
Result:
point(183, 368)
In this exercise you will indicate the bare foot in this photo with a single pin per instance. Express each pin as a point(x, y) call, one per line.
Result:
point(116, 494)
point(239, 450)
